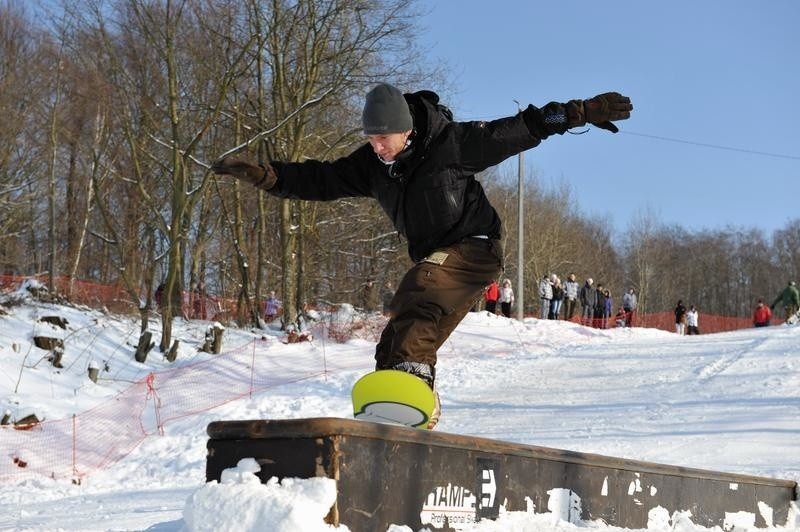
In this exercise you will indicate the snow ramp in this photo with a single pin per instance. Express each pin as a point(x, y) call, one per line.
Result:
point(396, 475)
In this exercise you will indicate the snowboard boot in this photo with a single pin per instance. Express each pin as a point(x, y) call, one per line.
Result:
point(427, 373)
point(418, 369)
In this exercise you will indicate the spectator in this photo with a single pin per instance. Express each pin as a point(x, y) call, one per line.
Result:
point(692, 321)
point(680, 318)
point(571, 288)
point(608, 308)
point(369, 296)
point(159, 295)
point(386, 298)
point(490, 296)
point(621, 318)
point(175, 301)
point(599, 306)
point(629, 302)
point(588, 297)
point(199, 301)
point(545, 295)
point(271, 307)
point(558, 298)
point(506, 298)
point(789, 298)
point(761, 315)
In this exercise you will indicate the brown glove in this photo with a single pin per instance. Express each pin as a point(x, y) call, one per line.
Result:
point(258, 175)
point(599, 111)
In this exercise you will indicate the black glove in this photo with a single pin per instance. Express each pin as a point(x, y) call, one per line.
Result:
point(599, 111)
point(258, 175)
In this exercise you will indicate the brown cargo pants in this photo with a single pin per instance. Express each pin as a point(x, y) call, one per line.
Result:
point(433, 298)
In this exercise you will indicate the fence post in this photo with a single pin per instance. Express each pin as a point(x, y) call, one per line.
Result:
point(75, 476)
point(151, 392)
point(252, 368)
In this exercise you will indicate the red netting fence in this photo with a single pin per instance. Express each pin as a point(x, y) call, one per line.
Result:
point(116, 299)
point(93, 440)
point(96, 439)
point(707, 323)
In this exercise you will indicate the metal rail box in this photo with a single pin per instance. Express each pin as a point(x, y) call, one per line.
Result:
point(387, 474)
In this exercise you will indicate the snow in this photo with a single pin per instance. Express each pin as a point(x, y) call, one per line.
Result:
point(727, 402)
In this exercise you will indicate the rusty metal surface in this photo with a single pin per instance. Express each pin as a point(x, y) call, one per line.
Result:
point(387, 474)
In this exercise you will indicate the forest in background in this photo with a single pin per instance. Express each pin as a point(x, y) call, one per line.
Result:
point(114, 110)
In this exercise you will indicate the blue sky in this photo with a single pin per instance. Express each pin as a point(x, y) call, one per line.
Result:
point(711, 72)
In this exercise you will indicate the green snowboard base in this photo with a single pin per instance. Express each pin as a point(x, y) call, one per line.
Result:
point(391, 396)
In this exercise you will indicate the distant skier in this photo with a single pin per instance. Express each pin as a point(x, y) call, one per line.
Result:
point(420, 166)
point(761, 315)
point(790, 299)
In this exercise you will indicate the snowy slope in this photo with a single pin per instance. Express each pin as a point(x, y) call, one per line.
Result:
point(727, 402)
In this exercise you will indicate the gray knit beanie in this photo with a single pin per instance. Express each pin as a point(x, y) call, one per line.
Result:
point(386, 111)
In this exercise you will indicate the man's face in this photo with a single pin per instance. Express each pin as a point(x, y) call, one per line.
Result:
point(388, 146)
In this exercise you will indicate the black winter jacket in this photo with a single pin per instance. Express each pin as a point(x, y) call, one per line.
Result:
point(430, 193)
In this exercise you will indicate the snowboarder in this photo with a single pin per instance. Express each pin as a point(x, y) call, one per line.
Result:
point(790, 299)
point(420, 166)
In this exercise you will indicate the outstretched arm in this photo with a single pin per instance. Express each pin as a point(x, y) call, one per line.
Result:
point(308, 180)
point(485, 144)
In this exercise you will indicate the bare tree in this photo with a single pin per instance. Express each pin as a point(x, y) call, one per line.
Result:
point(786, 242)
point(22, 80)
point(323, 53)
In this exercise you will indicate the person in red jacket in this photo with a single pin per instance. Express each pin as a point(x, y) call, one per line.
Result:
point(491, 295)
point(761, 315)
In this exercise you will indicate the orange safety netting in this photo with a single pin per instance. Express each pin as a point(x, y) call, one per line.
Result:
point(665, 321)
point(116, 299)
point(93, 440)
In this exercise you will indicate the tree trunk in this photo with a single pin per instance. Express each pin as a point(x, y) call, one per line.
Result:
point(288, 264)
point(173, 352)
point(144, 347)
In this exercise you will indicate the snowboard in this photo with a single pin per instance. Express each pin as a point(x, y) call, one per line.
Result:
point(392, 396)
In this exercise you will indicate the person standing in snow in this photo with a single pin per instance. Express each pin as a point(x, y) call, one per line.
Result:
point(558, 297)
point(629, 304)
point(545, 295)
point(272, 306)
point(588, 297)
point(608, 307)
point(369, 296)
point(420, 166)
point(491, 296)
point(789, 298)
point(680, 318)
point(692, 321)
point(571, 288)
point(599, 306)
point(506, 298)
